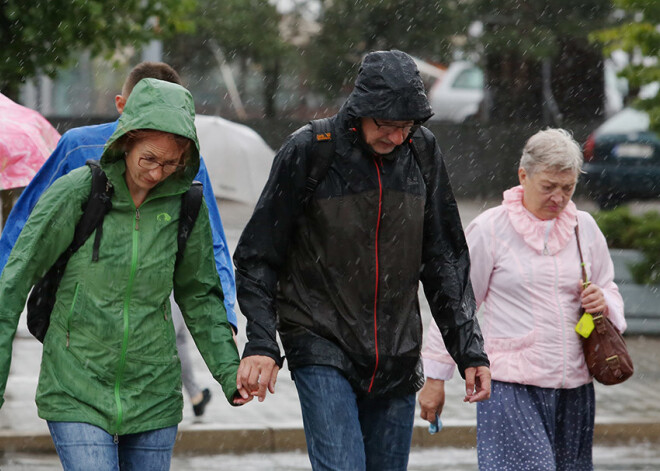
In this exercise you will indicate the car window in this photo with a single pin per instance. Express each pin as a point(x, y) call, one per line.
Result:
point(625, 121)
point(472, 79)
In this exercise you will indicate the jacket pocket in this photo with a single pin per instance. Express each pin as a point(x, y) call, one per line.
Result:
point(70, 313)
point(167, 331)
point(510, 344)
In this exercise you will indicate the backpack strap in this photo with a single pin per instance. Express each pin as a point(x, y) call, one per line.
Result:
point(323, 149)
point(42, 297)
point(94, 210)
point(191, 201)
point(424, 159)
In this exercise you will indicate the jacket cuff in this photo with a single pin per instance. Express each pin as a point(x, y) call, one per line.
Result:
point(253, 348)
point(437, 370)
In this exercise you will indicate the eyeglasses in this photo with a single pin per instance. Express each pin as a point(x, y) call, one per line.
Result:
point(150, 163)
point(390, 128)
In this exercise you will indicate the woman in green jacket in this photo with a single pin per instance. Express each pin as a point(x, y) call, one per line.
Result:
point(110, 381)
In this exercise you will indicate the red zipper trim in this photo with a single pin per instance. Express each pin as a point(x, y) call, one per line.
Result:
point(380, 207)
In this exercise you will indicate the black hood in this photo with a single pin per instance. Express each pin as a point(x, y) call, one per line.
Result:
point(388, 86)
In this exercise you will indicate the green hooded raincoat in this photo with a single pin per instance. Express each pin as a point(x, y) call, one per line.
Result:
point(109, 356)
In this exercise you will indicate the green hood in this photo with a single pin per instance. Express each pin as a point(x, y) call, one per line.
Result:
point(163, 106)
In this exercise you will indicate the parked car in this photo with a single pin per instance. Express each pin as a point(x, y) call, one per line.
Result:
point(622, 160)
point(457, 95)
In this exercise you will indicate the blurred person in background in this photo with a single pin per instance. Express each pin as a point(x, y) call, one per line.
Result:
point(337, 269)
point(526, 276)
point(81, 144)
point(110, 380)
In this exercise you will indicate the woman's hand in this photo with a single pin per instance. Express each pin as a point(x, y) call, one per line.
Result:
point(593, 299)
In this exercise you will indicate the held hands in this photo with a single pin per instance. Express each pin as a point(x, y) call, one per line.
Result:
point(256, 373)
point(592, 298)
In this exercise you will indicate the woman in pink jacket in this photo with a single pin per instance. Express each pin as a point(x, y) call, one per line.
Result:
point(527, 279)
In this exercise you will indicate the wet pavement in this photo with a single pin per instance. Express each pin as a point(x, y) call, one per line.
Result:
point(644, 457)
point(268, 435)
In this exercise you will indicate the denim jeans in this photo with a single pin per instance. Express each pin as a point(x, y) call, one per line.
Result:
point(83, 447)
point(351, 433)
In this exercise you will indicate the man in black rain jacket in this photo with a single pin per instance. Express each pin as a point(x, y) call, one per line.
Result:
point(337, 274)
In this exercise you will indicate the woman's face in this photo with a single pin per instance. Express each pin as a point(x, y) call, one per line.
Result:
point(151, 160)
point(547, 192)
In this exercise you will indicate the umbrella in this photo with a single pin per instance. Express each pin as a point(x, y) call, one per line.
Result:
point(238, 160)
point(26, 141)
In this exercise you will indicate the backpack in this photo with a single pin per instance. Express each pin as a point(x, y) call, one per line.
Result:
point(323, 149)
point(42, 298)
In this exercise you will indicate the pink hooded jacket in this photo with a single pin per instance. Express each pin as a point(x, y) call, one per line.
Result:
point(525, 273)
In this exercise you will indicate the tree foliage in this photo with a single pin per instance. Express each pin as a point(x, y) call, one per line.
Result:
point(243, 30)
point(638, 34)
point(40, 36)
point(352, 28)
point(519, 36)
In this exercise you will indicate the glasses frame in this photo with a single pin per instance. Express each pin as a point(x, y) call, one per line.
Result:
point(390, 128)
point(154, 164)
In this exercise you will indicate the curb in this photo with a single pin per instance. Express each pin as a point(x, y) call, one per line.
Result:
point(273, 440)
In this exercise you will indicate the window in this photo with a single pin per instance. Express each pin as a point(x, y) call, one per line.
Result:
point(472, 79)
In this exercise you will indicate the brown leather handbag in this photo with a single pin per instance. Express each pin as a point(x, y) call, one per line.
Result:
point(605, 351)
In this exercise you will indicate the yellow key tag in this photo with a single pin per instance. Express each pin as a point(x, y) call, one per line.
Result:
point(585, 325)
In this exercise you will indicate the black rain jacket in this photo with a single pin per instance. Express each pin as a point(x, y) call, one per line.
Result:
point(338, 275)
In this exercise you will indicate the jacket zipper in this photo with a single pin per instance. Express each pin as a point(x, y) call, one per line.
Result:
point(380, 208)
point(68, 319)
point(127, 300)
point(548, 229)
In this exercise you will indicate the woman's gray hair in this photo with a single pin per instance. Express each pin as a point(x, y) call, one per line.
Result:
point(551, 149)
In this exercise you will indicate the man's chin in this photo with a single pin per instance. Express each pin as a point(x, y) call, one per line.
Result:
point(384, 150)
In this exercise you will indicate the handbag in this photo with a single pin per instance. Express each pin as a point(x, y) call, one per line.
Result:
point(605, 351)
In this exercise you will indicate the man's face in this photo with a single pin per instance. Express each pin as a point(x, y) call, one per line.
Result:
point(384, 135)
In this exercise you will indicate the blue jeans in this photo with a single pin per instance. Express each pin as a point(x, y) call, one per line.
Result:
point(82, 447)
point(347, 432)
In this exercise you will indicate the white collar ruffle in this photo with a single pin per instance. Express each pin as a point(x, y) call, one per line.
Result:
point(533, 230)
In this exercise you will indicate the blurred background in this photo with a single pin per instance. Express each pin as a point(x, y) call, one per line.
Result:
point(496, 70)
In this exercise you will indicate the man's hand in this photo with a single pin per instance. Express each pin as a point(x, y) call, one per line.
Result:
point(255, 374)
point(477, 384)
point(432, 399)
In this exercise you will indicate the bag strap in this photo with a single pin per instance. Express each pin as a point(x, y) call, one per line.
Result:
point(582, 265)
point(191, 201)
point(323, 149)
point(419, 149)
point(94, 210)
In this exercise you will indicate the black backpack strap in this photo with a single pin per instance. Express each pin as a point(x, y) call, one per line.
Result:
point(42, 298)
point(323, 149)
point(424, 159)
point(191, 201)
point(94, 210)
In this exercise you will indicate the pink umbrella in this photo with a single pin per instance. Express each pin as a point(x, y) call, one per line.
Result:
point(26, 141)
